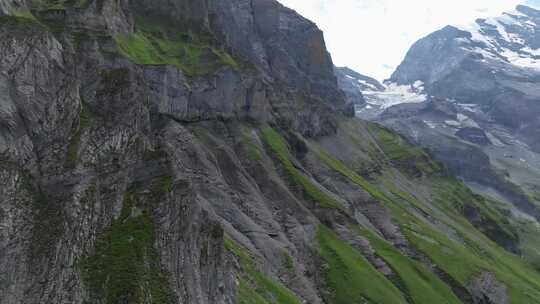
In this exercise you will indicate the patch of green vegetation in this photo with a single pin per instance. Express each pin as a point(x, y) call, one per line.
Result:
point(529, 233)
point(288, 261)
point(535, 192)
point(23, 13)
point(161, 185)
point(125, 266)
point(278, 145)
point(161, 42)
point(253, 150)
point(154, 190)
point(463, 261)
point(257, 287)
point(455, 197)
point(475, 254)
point(73, 150)
point(248, 295)
point(350, 277)
point(337, 165)
point(6, 163)
point(22, 23)
point(403, 196)
point(411, 226)
point(422, 286)
point(51, 13)
point(409, 158)
point(57, 5)
point(87, 115)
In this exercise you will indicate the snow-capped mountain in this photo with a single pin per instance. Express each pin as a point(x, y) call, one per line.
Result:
point(491, 65)
point(471, 95)
point(511, 38)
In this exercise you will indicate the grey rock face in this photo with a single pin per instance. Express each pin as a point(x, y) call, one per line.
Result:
point(8, 6)
point(89, 140)
point(439, 54)
point(488, 290)
point(474, 135)
point(286, 46)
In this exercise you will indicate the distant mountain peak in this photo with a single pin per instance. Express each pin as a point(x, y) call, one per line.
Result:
point(513, 37)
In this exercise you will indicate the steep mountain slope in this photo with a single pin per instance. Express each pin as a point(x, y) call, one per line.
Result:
point(489, 74)
point(201, 152)
point(480, 114)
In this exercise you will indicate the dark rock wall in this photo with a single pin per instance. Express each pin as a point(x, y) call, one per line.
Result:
point(83, 129)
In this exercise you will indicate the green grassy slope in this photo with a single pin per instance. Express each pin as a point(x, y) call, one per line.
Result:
point(429, 208)
point(420, 284)
point(472, 253)
point(350, 277)
point(255, 287)
point(279, 147)
point(162, 42)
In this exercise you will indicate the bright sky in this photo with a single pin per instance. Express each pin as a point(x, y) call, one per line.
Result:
point(373, 36)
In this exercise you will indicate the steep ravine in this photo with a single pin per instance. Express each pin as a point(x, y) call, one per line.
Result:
point(201, 152)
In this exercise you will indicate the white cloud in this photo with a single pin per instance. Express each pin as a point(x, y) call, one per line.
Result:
point(373, 36)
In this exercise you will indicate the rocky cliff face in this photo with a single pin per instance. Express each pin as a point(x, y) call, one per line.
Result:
point(99, 166)
point(201, 152)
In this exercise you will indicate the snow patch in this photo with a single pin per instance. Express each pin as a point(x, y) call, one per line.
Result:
point(494, 140)
point(520, 60)
point(497, 22)
point(462, 117)
point(535, 52)
point(516, 38)
point(419, 84)
point(430, 124)
point(453, 123)
point(395, 94)
point(469, 107)
point(367, 84)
